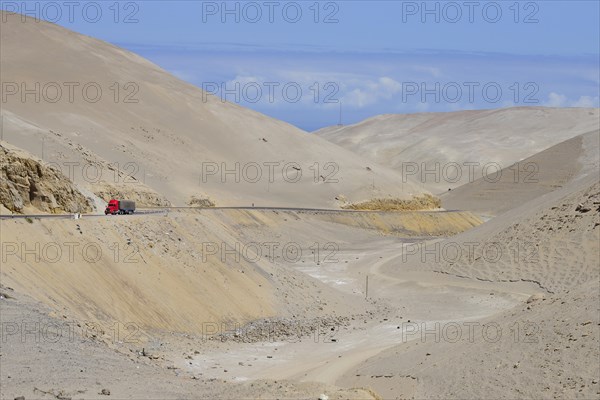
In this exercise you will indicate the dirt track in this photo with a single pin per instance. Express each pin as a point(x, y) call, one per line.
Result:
point(403, 300)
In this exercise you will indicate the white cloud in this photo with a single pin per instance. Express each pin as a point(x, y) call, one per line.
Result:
point(556, 100)
point(586, 101)
point(560, 100)
point(364, 93)
point(319, 89)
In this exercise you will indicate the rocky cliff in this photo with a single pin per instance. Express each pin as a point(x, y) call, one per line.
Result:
point(25, 182)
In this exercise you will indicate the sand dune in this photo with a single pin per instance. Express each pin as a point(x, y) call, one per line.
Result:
point(460, 147)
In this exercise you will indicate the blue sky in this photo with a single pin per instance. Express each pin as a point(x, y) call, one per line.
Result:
point(296, 60)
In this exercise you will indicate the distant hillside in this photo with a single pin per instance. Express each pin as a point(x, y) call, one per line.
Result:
point(447, 150)
point(534, 176)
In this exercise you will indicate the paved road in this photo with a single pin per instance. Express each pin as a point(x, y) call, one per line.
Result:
point(72, 216)
point(260, 208)
point(163, 210)
point(331, 210)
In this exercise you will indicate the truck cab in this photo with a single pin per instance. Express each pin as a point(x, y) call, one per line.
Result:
point(120, 207)
point(112, 207)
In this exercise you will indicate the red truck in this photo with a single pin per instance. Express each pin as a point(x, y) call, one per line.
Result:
point(120, 207)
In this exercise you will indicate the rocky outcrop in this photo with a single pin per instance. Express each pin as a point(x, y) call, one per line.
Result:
point(201, 200)
point(25, 182)
point(136, 191)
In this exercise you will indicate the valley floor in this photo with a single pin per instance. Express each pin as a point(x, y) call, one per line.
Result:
point(361, 320)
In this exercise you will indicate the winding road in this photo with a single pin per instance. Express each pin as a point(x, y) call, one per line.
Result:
point(163, 210)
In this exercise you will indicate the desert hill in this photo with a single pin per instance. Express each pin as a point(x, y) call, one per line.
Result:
point(547, 345)
point(97, 101)
point(562, 164)
point(489, 140)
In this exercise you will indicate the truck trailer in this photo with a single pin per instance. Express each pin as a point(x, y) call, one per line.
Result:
point(120, 207)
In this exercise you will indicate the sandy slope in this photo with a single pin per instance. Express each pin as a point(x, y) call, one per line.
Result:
point(164, 272)
point(432, 141)
point(552, 241)
point(160, 284)
point(142, 271)
point(60, 359)
point(542, 357)
point(544, 172)
point(548, 347)
point(172, 128)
